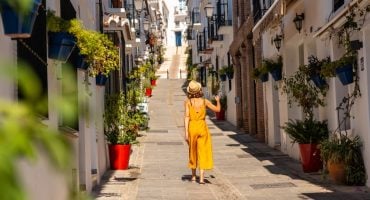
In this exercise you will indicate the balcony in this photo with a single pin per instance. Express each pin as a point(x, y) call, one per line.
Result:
point(223, 17)
point(180, 13)
point(115, 7)
point(195, 19)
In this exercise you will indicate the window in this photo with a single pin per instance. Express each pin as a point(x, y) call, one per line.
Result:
point(178, 38)
point(337, 4)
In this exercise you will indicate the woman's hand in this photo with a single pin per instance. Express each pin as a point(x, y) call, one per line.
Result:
point(217, 98)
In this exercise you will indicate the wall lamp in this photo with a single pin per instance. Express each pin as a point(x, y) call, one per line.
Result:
point(298, 21)
point(277, 41)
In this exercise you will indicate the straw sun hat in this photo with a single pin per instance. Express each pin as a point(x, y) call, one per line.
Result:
point(194, 87)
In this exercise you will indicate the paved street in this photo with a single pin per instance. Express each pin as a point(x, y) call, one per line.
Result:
point(244, 167)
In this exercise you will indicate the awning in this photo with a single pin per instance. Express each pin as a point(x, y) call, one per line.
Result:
point(271, 17)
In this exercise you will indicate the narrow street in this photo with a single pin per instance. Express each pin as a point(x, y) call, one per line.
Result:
point(244, 168)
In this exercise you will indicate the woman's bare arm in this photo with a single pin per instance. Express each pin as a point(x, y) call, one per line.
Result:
point(214, 108)
point(186, 120)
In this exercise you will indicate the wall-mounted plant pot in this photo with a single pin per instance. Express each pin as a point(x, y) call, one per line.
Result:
point(230, 76)
point(318, 81)
point(276, 74)
point(19, 25)
point(345, 74)
point(223, 77)
point(61, 45)
point(81, 62)
point(101, 79)
point(264, 77)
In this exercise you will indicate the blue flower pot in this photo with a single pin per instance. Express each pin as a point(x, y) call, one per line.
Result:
point(19, 25)
point(61, 45)
point(264, 77)
point(276, 74)
point(223, 77)
point(345, 74)
point(230, 76)
point(101, 80)
point(318, 81)
point(81, 62)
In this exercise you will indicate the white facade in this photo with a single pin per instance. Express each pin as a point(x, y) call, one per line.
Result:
point(314, 40)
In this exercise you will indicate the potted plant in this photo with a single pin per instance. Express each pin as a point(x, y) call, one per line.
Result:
point(274, 67)
point(18, 20)
point(223, 102)
point(229, 72)
point(260, 73)
point(118, 131)
point(313, 70)
point(222, 73)
point(61, 43)
point(308, 133)
point(96, 48)
point(343, 159)
point(343, 68)
point(153, 78)
point(148, 88)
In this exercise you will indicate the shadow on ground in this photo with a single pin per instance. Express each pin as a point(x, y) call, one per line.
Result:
point(284, 165)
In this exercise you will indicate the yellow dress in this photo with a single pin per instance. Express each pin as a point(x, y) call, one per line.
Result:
point(200, 144)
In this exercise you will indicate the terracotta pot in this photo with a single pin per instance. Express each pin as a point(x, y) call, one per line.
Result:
point(119, 156)
point(310, 157)
point(220, 115)
point(337, 172)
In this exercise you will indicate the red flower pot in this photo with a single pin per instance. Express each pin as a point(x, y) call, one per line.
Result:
point(220, 115)
point(310, 157)
point(148, 92)
point(119, 156)
point(153, 82)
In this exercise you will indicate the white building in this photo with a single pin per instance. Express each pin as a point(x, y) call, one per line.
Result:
point(316, 38)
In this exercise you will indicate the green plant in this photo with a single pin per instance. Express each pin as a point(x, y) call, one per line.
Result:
point(301, 91)
point(259, 72)
point(272, 64)
point(229, 69)
point(146, 84)
point(222, 71)
point(314, 65)
point(342, 149)
point(97, 47)
point(223, 102)
point(328, 68)
point(151, 75)
point(307, 131)
point(118, 125)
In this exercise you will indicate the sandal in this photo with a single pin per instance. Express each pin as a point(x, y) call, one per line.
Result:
point(202, 182)
point(193, 179)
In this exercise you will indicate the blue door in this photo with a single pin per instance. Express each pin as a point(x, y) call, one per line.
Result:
point(178, 38)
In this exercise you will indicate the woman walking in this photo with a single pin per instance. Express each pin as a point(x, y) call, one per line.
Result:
point(196, 131)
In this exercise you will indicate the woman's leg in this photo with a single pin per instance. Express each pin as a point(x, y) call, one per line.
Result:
point(201, 176)
point(193, 174)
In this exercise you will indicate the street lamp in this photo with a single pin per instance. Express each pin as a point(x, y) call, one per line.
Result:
point(209, 9)
point(298, 21)
point(146, 25)
point(138, 4)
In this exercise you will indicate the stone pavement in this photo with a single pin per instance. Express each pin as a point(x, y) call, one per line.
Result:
point(244, 168)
